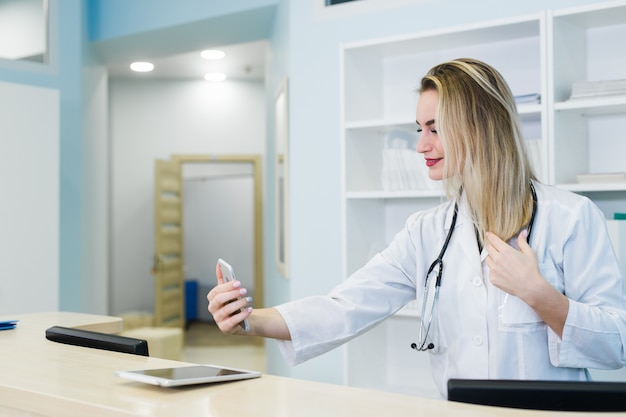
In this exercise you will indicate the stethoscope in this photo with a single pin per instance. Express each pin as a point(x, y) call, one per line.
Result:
point(438, 263)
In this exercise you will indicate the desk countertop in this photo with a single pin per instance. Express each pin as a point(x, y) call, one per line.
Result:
point(43, 378)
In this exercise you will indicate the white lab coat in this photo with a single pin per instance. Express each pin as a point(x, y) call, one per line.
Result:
point(478, 330)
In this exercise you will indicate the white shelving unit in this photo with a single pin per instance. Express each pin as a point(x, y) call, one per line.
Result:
point(587, 134)
point(380, 77)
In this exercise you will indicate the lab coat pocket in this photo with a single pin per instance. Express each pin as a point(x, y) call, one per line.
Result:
point(514, 312)
point(516, 315)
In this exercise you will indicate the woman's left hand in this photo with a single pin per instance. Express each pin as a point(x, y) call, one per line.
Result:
point(517, 272)
point(512, 270)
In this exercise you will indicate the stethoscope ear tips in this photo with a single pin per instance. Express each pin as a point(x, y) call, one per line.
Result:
point(429, 347)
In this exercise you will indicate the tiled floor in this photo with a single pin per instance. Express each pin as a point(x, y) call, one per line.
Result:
point(204, 343)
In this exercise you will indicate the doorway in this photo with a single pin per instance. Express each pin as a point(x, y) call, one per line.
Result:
point(222, 218)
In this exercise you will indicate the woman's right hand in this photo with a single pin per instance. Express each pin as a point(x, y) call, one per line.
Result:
point(229, 305)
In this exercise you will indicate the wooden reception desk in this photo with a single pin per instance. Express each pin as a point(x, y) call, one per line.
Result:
point(43, 378)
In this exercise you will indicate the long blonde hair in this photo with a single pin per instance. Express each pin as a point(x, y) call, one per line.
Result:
point(485, 152)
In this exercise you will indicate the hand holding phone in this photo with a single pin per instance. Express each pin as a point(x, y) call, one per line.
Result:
point(228, 273)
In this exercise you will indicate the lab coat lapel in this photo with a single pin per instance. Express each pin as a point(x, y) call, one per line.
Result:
point(466, 238)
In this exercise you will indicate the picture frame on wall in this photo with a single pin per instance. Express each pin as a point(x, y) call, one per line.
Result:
point(281, 170)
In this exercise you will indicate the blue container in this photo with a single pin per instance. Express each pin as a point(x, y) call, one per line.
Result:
point(191, 300)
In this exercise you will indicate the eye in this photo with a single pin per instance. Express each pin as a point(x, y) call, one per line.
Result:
point(419, 130)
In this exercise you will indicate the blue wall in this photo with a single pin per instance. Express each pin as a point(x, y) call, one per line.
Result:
point(124, 30)
point(64, 74)
point(111, 19)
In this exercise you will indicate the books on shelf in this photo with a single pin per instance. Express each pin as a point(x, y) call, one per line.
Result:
point(533, 98)
point(589, 89)
point(403, 169)
point(602, 177)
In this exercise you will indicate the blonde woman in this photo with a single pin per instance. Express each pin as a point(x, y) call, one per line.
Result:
point(514, 279)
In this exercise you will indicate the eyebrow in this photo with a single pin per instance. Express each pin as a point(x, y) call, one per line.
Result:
point(428, 123)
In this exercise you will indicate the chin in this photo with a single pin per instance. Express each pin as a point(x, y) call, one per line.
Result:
point(435, 176)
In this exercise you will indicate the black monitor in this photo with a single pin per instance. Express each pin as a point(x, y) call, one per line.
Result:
point(540, 395)
point(97, 340)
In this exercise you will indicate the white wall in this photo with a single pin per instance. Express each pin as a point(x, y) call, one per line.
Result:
point(155, 119)
point(95, 193)
point(29, 213)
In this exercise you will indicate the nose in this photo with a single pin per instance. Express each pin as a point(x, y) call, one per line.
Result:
point(424, 142)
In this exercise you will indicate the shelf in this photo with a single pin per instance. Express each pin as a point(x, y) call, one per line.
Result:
point(596, 105)
point(592, 16)
point(464, 36)
point(391, 195)
point(526, 111)
point(592, 187)
point(380, 124)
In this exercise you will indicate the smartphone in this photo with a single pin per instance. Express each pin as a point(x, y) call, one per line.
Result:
point(229, 275)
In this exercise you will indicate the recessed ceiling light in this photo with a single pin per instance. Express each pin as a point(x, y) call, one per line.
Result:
point(215, 76)
point(142, 66)
point(212, 54)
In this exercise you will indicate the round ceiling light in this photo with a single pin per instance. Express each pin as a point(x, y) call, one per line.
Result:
point(142, 66)
point(212, 54)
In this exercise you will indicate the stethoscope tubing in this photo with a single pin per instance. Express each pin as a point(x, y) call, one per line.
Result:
point(424, 330)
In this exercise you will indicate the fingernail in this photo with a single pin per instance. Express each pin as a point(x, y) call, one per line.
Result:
point(248, 300)
point(237, 284)
point(243, 291)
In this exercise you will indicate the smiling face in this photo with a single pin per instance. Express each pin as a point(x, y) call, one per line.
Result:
point(429, 143)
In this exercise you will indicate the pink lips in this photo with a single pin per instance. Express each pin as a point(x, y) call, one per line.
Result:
point(432, 162)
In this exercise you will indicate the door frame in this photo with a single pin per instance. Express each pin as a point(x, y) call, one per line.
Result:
point(256, 161)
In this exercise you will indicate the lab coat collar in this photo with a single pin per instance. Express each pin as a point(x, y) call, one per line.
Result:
point(465, 235)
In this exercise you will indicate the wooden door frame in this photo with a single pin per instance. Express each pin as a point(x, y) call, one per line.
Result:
point(169, 296)
point(255, 160)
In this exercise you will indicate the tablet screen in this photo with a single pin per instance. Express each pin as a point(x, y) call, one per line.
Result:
point(196, 374)
point(189, 372)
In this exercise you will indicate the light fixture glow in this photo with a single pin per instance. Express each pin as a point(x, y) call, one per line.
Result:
point(215, 76)
point(142, 66)
point(212, 54)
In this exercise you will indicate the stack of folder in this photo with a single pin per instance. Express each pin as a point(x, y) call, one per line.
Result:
point(588, 89)
point(533, 98)
point(602, 177)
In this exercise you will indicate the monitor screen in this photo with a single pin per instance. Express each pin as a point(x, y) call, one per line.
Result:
point(540, 395)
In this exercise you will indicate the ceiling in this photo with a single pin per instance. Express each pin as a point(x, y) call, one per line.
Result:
point(243, 61)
